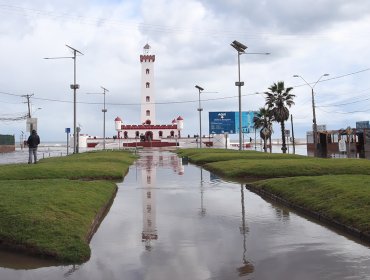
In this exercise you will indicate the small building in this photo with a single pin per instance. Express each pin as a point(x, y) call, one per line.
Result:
point(7, 143)
point(148, 132)
point(349, 142)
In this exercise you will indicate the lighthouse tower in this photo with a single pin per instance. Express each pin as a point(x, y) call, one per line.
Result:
point(147, 87)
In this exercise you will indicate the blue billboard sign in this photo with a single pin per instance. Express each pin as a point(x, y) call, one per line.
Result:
point(247, 122)
point(222, 122)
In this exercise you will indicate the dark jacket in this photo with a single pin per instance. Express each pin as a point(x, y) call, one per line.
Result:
point(33, 140)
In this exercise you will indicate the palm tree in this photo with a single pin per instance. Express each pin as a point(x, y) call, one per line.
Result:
point(278, 99)
point(263, 120)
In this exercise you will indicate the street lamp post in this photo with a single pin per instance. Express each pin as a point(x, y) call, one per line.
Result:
point(314, 128)
point(200, 89)
point(104, 110)
point(240, 48)
point(74, 86)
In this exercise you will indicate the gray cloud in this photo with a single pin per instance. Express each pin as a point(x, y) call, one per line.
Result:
point(192, 43)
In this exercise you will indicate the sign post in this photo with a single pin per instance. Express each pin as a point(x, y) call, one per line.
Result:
point(287, 136)
point(31, 124)
point(68, 131)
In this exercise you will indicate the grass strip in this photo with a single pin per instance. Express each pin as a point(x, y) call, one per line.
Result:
point(47, 213)
point(51, 217)
point(343, 198)
point(203, 156)
point(92, 165)
point(247, 164)
point(271, 168)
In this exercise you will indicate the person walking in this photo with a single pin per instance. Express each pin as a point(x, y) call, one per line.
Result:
point(32, 142)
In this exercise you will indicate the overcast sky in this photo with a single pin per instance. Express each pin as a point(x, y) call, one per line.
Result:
point(191, 40)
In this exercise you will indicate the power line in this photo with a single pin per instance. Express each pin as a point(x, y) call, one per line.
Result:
point(12, 94)
point(14, 119)
point(177, 102)
point(138, 104)
point(336, 77)
point(352, 99)
point(345, 113)
point(343, 104)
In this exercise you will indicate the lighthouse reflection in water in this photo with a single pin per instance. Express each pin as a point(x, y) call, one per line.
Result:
point(148, 182)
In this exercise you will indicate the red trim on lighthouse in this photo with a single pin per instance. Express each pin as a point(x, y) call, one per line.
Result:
point(147, 58)
point(147, 127)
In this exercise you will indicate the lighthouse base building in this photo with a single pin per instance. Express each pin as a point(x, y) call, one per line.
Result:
point(148, 133)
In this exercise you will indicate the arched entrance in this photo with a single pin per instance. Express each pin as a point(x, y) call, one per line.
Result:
point(148, 136)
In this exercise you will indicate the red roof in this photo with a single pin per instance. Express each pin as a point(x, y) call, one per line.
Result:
point(180, 118)
point(118, 119)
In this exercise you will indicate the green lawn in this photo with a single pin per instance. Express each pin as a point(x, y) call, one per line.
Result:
point(271, 168)
point(215, 155)
point(50, 208)
point(92, 165)
point(344, 198)
point(244, 164)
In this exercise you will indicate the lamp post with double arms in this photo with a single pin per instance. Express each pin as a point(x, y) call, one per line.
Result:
point(200, 89)
point(74, 86)
point(314, 126)
point(240, 48)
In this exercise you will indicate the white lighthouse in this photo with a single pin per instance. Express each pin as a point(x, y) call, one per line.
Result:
point(147, 87)
point(149, 133)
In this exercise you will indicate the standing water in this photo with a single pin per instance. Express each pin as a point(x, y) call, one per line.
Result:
point(171, 220)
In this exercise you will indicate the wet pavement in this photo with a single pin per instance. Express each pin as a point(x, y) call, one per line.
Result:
point(170, 220)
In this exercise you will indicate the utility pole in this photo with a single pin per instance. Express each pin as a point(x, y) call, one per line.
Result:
point(314, 125)
point(74, 86)
point(28, 96)
point(291, 120)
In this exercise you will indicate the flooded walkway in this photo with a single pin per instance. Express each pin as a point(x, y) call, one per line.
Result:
point(172, 221)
